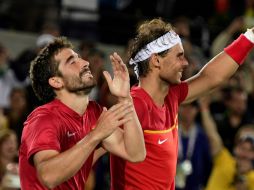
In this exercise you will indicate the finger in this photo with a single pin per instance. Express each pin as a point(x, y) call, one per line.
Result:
point(119, 61)
point(124, 68)
point(121, 112)
point(123, 121)
point(115, 107)
point(104, 109)
point(107, 77)
point(120, 105)
point(113, 63)
point(103, 113)
point(117, 57)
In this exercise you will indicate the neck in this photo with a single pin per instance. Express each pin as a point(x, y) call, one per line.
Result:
point(186, 126)
point(158, 90)
point(78, 103)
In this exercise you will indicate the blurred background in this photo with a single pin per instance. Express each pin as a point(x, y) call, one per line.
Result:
point(99, 27)
point(115, 21)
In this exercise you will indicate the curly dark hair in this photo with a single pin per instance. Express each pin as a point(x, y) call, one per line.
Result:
point(147, 32)
point(44, 66)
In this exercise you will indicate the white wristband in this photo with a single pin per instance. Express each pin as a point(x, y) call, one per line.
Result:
point(249, 35)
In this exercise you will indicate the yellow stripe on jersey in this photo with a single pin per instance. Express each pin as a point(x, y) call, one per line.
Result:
point(164, 131)
point(160, 131)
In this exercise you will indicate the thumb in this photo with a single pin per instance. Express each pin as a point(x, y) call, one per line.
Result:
point(104, 109)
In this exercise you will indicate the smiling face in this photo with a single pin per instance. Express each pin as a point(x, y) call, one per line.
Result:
point(244, 149)
point(244, 154)
point(172, 65)
point(74, 72)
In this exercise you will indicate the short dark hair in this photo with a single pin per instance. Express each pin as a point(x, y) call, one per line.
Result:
point(44, 66)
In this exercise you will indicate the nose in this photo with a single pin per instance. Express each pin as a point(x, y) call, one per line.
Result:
point(84, 63)
point(185, 62)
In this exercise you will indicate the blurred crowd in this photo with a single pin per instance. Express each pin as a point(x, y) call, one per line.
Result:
point(217, 124)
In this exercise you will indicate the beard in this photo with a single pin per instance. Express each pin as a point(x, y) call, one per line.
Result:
point(80, 85)
point(175, 79)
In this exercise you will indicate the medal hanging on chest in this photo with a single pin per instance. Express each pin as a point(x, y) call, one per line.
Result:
point(184, 168)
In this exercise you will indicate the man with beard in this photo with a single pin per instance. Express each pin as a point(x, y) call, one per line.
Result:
point(64, 137)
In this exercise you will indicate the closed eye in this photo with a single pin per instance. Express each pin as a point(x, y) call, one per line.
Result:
point(72, 59)
point(181, 56)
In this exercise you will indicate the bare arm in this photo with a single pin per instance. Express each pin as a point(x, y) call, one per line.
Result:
point(221, 67)
point(127, 142)
point(211, 76)
point(210, 126)
point(53, 168)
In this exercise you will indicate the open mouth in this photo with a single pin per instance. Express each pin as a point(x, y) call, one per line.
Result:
point(180, 73)
point(86, 72)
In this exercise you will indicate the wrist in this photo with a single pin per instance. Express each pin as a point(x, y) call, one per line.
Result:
point(95, 136)
point(240, 48)
point(125, 99)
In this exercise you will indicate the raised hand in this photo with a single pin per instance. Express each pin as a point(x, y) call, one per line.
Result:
point(120, 84)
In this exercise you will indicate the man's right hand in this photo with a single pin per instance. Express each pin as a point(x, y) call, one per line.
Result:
point(112, 118)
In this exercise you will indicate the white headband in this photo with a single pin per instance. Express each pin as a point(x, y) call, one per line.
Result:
point(161, 44)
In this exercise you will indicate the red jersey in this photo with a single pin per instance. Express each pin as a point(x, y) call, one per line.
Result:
point(54, 126)
point(160, 125)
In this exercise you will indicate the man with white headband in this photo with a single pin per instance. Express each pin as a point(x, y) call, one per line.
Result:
point(158, 59)
point(161, 44)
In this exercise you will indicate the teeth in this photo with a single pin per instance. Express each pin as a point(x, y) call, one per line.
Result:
point(87, 73)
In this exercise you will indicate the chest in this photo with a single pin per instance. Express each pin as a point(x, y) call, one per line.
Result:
point(73, 129)
point(160, 118)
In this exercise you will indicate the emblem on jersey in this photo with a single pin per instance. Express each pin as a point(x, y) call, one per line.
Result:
point(162, 141)
point(69, 134)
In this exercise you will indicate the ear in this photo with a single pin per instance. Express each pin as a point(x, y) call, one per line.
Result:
point(155, 60)
point(55, 82)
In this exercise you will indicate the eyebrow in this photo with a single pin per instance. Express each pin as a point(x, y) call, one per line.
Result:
point(69, 58)
point(180, 54)
point(72, 56)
